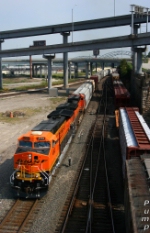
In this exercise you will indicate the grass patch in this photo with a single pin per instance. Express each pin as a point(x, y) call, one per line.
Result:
point(55, 100)
point(42, 84)
point(26, 112)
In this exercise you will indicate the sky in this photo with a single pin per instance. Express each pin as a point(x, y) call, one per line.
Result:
point(18, 14)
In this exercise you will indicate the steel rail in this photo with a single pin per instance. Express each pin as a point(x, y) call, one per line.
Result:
point(88, 225)
point(16, 217)
point(92, 187)
point(79, 178)
point(108, 186)
point(76, 188)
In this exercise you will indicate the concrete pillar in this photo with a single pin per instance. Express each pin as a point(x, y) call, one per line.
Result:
point(30, 66)
point(91, 64)
point(49, 60)
point(134, 55)
point(32, 70)
point(65, 59)
point(96, 66)
point(1, 75)
point(36, 70)
point(87, 70)
point(76, 70)
point(45, 71)
point(112, 65)
point(139, 52)
point(70, 63)
point(40, 71)
point(103, 65)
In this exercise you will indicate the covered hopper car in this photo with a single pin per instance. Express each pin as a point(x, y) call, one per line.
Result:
point(41, 150)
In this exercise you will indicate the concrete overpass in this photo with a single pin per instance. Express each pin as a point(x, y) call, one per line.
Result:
point(64, 29)
point(116, 21)
point(108, 43)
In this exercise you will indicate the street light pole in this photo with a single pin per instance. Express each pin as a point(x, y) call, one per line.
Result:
point(72, 24)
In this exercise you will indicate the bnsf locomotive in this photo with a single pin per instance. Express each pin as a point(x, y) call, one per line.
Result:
point(41, 150)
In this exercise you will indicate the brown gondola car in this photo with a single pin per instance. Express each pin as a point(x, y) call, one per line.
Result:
point(137, 198)
point(121, 95)
point(134, 134)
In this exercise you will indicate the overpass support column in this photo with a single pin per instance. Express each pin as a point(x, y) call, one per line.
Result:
point(112, 65)
point(87, 70)
point(76, 70)
point(91, 64)
point(33, 70)
point(65, 59)
point(134, 54)
point(36, 71)
point(96, 66)
point(49, 59)
point(139, 52)
point(1, 74)
point(103, 66)
point(41, 71)
point(70, 63)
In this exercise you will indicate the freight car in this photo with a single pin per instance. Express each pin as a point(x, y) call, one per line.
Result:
point(134, 134)
point(121, 94)
point(42, 149)
point(115, 76)
point(137, 199)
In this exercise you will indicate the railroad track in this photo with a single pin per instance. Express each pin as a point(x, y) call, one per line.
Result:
point(21, 216)
point(90, 209)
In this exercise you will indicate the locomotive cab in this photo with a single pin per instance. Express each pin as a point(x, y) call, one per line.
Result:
point(34, 154)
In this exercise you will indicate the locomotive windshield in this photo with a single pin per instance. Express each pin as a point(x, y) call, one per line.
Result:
point(39, 147)
point(42, 144)
point(25, 144)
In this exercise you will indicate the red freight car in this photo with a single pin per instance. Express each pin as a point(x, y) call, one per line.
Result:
point(122, 96)
point(134, 134)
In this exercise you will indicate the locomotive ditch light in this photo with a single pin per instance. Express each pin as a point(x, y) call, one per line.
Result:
point(18, 174)
point(37, 175)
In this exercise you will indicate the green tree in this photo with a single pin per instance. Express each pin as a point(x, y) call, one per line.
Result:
point(148, 55)
point(125, 69)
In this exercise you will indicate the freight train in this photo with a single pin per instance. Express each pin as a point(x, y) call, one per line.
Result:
point(41, 150)
point(134, 137)
point(134, 133)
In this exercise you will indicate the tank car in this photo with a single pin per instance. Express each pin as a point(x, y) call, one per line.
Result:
point(134, 134)
point(41, 150)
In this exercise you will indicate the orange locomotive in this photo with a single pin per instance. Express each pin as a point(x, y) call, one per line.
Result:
point(41, 150)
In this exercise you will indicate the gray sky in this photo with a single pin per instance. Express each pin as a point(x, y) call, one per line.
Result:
point(17, 14)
